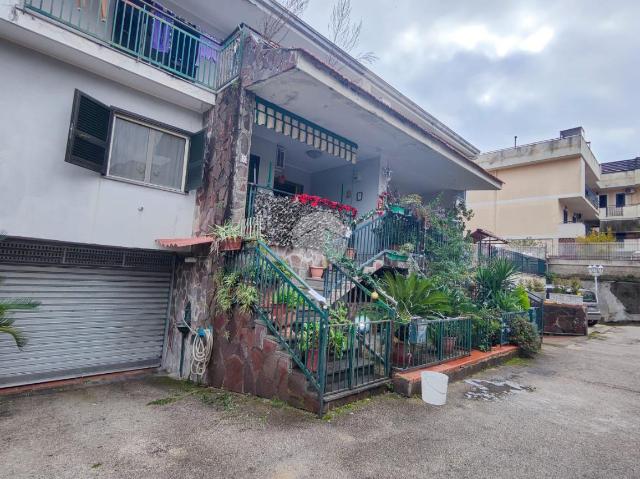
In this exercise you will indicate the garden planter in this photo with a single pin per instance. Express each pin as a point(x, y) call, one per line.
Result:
point(397, 209)
point(449, 344)
point(311, 360)
point(316, 272)
point(230, 244)
point(350, 253)
point(393, 256)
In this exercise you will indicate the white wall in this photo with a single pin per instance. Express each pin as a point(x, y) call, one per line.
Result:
point(336, 182)
point(42, 196)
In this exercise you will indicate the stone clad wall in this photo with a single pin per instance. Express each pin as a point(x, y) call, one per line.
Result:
point(568, 319)
point(245, 359)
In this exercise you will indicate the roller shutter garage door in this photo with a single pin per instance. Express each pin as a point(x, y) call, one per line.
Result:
point(93, 318)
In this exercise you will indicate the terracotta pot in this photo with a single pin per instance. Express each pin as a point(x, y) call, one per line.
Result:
point(230, 244)
point(449, 344)
point(279, 313)
point(350, 253)
point(316, 272)
point(311, 360)
point(401, 355)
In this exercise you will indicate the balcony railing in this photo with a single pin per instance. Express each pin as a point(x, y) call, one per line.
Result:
point(591, 197)
point(620, 212)
point(629, 250)
point(150, 34)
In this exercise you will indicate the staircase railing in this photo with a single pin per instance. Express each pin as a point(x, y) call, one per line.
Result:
point(386, 232)
point(292, 316)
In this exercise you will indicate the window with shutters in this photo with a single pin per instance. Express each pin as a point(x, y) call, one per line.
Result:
point(125, 146)
point(146, 154)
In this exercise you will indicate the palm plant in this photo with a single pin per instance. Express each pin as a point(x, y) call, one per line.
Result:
point(416, 296)
point(6, 323)
point(494, 280)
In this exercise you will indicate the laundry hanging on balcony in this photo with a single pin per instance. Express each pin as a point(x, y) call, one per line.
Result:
point(104, 5)
point(291, 125)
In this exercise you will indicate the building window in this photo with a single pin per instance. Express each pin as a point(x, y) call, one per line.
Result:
point(146, 154)
point(620, 200)
point(603, 201)
point(123, 145)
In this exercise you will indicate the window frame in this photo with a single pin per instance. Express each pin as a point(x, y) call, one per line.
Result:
point(152, 125)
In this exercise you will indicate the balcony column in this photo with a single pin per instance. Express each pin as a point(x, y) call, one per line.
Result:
point(229, 125)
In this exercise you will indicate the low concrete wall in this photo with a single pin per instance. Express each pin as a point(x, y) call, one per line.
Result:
point(567, 268)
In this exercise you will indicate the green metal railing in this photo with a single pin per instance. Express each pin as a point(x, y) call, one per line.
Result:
point(424, 342)
point(522, 262)
point(152, 35)
point(533, 315)
point(292, 316)
point(341, 347)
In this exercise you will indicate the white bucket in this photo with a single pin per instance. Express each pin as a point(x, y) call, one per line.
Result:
point(434, 388)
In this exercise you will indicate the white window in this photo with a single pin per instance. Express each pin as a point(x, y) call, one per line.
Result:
point(147, 154)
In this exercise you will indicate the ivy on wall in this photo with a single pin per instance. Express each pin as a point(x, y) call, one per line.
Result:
point(293, 224)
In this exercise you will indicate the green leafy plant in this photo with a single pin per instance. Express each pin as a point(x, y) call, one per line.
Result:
point(232, 291)
point(339, 313)
point(523, 298)
point(310, 336)
point(493, 280)
point(415, 296)
point(576, 285)
point(406, 249)
point(525, 335)
point(246, 297)
point(224, 232)
point(7, 323)
point(289, 297)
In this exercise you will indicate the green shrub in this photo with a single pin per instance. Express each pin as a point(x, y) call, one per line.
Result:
point(525, 335)
point(416, 296)
point(523, 298)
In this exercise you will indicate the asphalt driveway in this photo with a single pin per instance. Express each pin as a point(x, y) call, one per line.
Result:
point(572, 412)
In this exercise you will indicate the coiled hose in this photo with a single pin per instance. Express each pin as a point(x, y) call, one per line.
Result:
point(201, 351)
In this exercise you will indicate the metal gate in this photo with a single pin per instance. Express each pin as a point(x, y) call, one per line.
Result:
point(107, 314)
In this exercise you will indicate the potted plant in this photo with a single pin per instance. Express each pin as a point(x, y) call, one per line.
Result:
point(282, 303)
point(310, 345)
point(228, 237)
point(403, 252)
point(316, 272)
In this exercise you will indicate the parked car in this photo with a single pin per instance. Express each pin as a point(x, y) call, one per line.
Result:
point(593, 310)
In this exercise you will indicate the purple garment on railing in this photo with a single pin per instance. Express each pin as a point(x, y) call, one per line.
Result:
point(161, 27)
point(207, 52)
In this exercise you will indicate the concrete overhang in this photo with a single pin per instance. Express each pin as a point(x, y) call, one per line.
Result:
point(300, 83)
point(579, 204)
point(71, 46)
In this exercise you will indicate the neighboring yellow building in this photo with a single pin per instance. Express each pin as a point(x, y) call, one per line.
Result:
point(619, 187)
point(548, 192)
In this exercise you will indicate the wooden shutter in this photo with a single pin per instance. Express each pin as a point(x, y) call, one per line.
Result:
point(195, 165)
point(88, 143)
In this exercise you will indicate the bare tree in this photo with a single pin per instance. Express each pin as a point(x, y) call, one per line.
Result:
point(274, 22)
point(345, 32)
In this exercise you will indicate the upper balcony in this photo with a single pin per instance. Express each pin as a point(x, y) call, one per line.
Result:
point(149, 33)
point(140, 44)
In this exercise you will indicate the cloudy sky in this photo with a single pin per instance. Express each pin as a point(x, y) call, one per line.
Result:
point(494, 69)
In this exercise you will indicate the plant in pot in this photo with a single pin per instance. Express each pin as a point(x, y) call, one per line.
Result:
point(284, 301)
point(416, 296)
point(227, 237)
point(310, 344)
point(316, 272)
point(403, 252)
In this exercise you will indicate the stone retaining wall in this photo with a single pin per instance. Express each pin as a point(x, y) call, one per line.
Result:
point(570, 319)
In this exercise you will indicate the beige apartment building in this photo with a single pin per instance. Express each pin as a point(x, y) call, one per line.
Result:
point(619, 201)
point(549, 190)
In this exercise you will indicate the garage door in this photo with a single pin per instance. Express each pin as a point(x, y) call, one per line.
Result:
point(92, 319)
